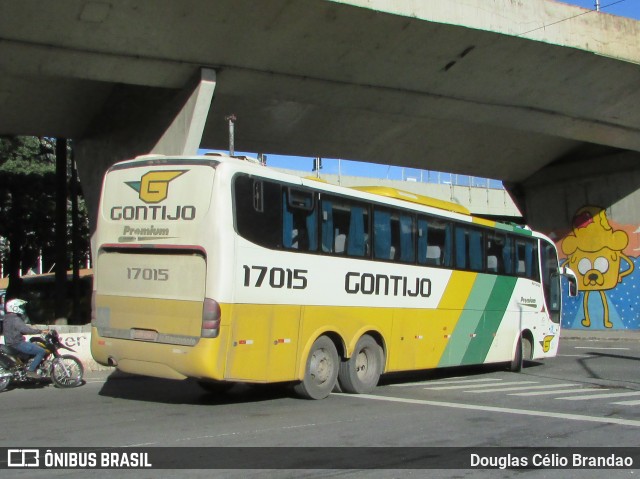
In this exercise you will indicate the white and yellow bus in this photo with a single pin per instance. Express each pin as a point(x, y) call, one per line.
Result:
point(220, 269)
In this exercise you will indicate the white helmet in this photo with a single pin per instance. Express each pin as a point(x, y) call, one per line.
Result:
point(16, 306)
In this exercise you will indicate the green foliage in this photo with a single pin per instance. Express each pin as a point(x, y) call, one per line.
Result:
point(27, 203)
point(24, 155)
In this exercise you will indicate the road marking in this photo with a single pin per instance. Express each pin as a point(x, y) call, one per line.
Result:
point(600, 396)
point(546, 386)
point(606, 349)
point(499, 410)
point(463, 386)
point(574, 355)
point(628, 403)
point(556, 391)
point(454, 381)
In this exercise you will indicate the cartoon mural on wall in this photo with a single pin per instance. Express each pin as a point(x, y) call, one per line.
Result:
point(599, 254)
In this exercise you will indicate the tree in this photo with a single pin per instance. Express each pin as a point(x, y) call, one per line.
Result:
point(27, 204)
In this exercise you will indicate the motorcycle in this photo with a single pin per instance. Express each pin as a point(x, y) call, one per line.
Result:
point(64, 370)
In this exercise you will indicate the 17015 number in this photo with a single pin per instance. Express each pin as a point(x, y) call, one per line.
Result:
point(148, 274)
point(275, 277)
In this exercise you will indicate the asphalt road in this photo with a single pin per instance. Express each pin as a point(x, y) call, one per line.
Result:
point(588, 396)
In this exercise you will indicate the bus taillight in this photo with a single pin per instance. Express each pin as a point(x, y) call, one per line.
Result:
point(210, 319)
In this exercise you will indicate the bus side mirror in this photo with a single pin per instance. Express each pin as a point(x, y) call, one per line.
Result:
point(572, 280)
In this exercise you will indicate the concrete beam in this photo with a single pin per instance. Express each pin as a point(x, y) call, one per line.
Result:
point(553, 195)
point(553, 22)
point(140, 120)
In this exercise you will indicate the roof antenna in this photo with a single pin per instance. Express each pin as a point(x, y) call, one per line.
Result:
point(231, 119)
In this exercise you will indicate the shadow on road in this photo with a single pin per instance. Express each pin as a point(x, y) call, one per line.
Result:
point(167, 391)
point(587, 364)
point(443, 373)
point(615, 356)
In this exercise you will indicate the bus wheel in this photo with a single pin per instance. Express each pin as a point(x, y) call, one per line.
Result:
point(523, 351)
point(321, 370)
point(361, 372)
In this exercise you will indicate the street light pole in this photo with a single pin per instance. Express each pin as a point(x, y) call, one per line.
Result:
point(232, 135)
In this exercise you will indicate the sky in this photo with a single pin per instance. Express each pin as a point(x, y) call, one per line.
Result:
point(623, 8)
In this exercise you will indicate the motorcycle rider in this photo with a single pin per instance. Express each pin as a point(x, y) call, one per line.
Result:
point(13, 329)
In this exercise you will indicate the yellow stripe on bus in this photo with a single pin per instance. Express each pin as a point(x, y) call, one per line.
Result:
point(458, 290)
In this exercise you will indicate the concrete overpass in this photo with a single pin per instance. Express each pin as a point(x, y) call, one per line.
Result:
point(539, 94)
point(494, 203)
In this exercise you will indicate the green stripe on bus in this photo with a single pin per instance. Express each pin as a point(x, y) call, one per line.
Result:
point(494, 312)
point(469, 319)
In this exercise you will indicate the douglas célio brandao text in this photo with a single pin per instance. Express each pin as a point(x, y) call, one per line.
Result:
point(550, 460)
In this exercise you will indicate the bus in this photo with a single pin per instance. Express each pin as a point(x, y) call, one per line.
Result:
point(223, 270)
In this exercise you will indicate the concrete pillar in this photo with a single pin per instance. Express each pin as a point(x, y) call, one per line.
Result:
point(553, 195)
point(140, 120)
point(185, 132)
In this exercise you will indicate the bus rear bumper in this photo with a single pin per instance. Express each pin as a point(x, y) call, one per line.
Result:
point(159, 360)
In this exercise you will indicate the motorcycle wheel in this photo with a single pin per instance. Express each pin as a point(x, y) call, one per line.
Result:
point(67, 371)
point(4, 380)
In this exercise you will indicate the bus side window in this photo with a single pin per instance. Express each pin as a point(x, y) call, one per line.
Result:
point(356, 245)
point(407, 243)
point(507, 255)
point(496, 244)
point(381, 234)
point(435, 245)
point(345, 227)
point(299, 220)
point(469, 248)
point(526, 259)
point(257, 207)
point(393, 234)
point(327, 226)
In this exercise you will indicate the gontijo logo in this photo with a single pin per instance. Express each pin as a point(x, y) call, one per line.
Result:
point(153, 187)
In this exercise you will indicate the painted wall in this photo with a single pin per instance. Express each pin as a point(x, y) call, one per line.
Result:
point(594, 218)
point(604, 256)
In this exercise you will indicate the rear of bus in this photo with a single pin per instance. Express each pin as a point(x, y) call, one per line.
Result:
point(151, 313)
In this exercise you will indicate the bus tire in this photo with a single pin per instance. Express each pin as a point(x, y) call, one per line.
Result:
point(360, 373)
point(522, 353)
point(321, 370)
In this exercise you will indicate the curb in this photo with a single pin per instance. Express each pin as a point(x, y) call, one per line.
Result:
point(601, 335)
